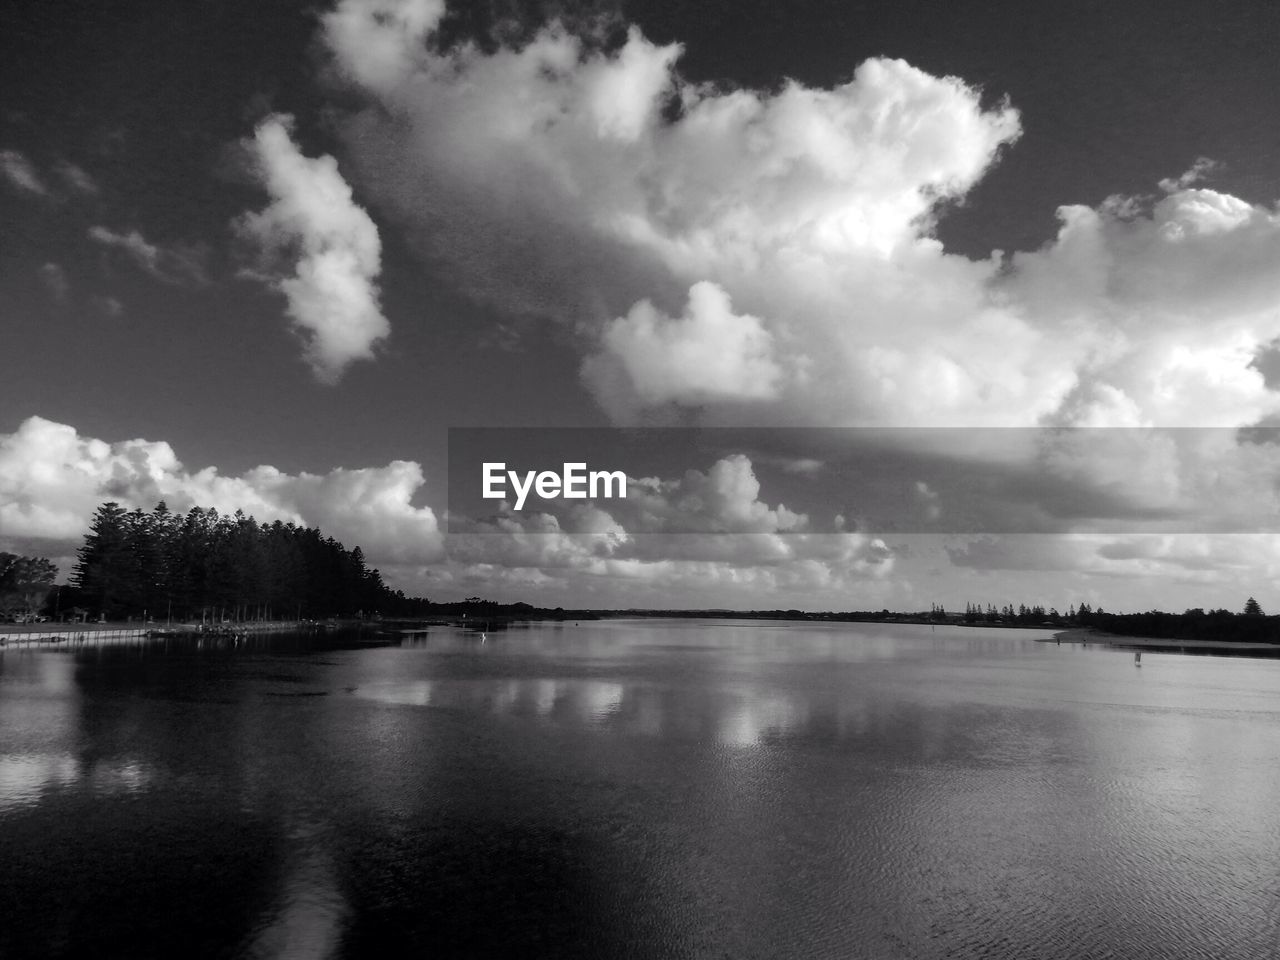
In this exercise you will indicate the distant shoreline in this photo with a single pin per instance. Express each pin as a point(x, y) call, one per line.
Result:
point(55, 632)
point(1055, 635)
point(1088, 635)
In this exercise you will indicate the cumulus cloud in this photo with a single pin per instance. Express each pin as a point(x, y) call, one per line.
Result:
point(669, 584)
point(768, 258)
point(593, 183)
point(1170, 300)
point(709, 354)
point(695, 570)
point(378, 39)
point(706, 530)
point(52, 479)
point(317, 247)
point(175, 263)
point(1198, 171)
point(1237, 562)
point(1174, 481)
point(19, 171)
point(724, 499)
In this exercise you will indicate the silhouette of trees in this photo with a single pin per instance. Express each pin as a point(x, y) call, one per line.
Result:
point(25, 583)
point(1252, 626)
point(204, 565)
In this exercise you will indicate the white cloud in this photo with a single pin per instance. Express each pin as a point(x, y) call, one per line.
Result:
point(314, 229)
point(597, 186)
point(77, 178)
point(550, 193)
point(1208, 562)
point(674, 542)
point(176, 264)
point(377, 39)
point(1204, 480)
point(709, 354)
point(725, 499)
point(22, 173)
point(19, 171)
point(1173, 302)
point(1198, 171)
point(670, 572)
point(52, 479)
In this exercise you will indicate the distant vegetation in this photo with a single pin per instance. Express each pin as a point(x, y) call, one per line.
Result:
point(25, 583)
point(1251, 626)
point(200, 564)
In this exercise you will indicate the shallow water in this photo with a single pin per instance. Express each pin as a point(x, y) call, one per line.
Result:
point(640, 789)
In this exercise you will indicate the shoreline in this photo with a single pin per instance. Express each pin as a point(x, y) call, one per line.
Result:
point(63, 632)
point(1087, 635)
point(29, 633)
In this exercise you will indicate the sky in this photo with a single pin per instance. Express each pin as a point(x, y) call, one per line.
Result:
point(265, 256)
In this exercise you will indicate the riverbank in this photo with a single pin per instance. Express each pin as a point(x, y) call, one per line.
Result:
point(1087, 635)
point(25, 633)
point(16, 633)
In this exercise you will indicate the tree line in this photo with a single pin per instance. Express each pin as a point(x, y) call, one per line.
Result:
point(202, 565)
point(1033, 615)
point(25, 583)
point(1250, 626)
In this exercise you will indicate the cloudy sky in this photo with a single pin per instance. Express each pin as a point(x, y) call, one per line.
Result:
point(265, 256)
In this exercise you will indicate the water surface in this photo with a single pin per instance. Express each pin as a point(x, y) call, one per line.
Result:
point(639, 789)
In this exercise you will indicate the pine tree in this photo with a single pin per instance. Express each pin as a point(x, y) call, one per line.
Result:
point(202, 564)
point(105, 571)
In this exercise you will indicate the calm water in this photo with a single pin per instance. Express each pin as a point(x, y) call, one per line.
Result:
point(640, 789)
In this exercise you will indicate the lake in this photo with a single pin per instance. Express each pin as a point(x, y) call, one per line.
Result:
point(639, 789)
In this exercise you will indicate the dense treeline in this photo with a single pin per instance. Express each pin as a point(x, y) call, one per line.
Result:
point(1033, 615)
point(1251, 626)
point(202, 565)
point(25, 584)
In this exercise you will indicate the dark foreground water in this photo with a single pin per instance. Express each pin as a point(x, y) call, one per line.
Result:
point(640, 789)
